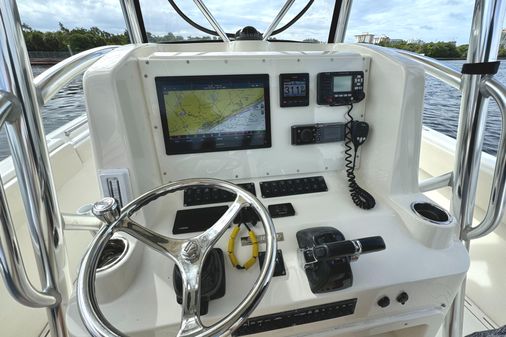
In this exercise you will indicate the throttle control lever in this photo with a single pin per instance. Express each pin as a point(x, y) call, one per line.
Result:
point(341, 249)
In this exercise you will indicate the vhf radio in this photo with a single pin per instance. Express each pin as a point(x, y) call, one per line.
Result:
point(340, 88)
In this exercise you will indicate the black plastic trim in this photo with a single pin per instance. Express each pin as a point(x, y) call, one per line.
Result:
point(484, 68)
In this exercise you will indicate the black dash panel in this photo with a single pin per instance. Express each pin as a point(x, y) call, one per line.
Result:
point(296, 317)
point(197, 219)
point(279, 267)
point(281, 188)
point(281, 210)
point(201, 195)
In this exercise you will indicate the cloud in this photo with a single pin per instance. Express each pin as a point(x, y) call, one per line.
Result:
point(448, 20)
point(428, 20)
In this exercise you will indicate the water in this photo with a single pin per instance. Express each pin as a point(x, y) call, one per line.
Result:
point(65, 106)
point(440, 111)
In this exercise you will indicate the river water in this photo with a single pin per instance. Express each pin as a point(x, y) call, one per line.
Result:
point(440, 111)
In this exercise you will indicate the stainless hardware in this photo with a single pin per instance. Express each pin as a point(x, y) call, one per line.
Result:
point(30, 157)
point(210, 18)
point(31, 161)
point(495, 209)
point(106, 210)
point(278, 19)
point(342, 21)
point(484, 41)
point(11, 261)
point(435, 68)
point(81, 222)
point(188, 254)
point(434, 183)
point(49, 82)
point(132, 23)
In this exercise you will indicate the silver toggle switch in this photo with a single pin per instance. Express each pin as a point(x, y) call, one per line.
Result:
point(106, 210)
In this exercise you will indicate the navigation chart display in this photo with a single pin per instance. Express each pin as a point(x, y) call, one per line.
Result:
point(214, 113)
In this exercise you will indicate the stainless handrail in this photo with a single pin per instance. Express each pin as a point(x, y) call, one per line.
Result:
point(435, 68)
point(48, 83)
point(437, 182)
point(489, 88)
point(278, 19)
point(13, 268)
point(211, 19)
point(76, 126)
point(495, 210)
point(31, 162)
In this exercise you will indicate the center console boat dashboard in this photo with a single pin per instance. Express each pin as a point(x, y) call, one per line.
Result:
point(275, 120)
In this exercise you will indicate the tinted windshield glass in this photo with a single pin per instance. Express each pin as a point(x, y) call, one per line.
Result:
point(163, 24)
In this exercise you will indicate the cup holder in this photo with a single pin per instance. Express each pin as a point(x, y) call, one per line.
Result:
point(432, 213)
point(114, 251)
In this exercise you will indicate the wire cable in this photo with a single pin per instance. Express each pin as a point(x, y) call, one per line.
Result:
point(360, 197)
point(230, 35)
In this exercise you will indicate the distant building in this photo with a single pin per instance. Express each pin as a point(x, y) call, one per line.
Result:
point(503, 38)
point(395, 41)
point(415, 41)
point(381, 39)
point(364, 38)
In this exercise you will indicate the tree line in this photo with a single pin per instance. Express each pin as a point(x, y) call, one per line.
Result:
point(78, 39)
point(447, 50)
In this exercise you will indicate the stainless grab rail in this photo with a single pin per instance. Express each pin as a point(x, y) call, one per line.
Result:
point(48, 83)
point(495, 210)
point(435, 183)
point(489, 88)
point(211, 19)
point(278, 19)
point(434, 68)
point(11, 260)
point(31, 161)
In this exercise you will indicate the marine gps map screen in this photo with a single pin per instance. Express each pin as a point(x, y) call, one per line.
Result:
point(214, 113)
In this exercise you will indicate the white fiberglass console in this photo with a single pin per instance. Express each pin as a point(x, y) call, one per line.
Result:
point(272, 118)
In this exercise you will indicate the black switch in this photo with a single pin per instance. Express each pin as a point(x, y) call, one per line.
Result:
point(402, 298)
point(384, 302)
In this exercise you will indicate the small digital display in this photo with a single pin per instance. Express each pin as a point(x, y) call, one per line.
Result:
point(294, 88)
point(214, 113)
point(342, 83)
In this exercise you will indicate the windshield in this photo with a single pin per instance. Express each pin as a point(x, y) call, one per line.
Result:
point(163, 24)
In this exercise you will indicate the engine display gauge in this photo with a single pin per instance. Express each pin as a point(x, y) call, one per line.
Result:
point(294, 90)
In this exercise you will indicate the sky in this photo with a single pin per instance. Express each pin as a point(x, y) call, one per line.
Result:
point(427, 20)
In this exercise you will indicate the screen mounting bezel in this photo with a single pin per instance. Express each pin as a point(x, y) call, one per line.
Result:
point(260, 78)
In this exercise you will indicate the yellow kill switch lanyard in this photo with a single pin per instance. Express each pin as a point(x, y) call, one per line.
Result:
point(231, 248)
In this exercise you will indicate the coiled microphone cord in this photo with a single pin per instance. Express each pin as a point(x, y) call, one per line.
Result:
point(360, 197)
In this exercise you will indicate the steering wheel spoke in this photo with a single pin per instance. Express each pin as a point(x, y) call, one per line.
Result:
point(166, 246)
point(190, 318)
point(188, 254)
point(214, 233)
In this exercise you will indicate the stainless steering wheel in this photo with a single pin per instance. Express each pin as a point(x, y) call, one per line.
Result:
point(188, 255)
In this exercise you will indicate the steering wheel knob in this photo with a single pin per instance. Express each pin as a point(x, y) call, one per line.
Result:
point(187, 253)
point(106, 210)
